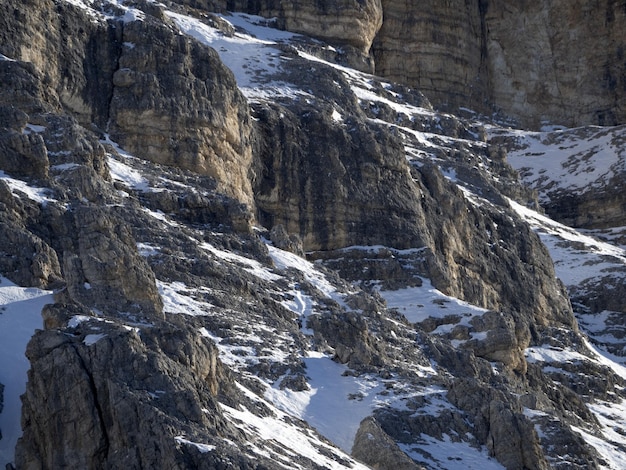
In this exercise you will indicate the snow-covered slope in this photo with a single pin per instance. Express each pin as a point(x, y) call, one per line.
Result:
point(20, 316)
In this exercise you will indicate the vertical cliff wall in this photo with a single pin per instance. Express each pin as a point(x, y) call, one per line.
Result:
point(438, 47)
point(548, 61)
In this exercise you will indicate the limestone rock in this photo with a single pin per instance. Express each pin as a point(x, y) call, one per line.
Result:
point(117, 383)
point(510, 437)
point(362, 208)
point(434, 46)
point(26, 258)
point(535, 62)
point(281, 239)
point(58, 40)
point(375, 198)
point(375, 448)
point(178, 105)
point(103, 268)
point(505, 341)
point(128, 413)
point(351, 339)
point(175, 104)
point(548, 64)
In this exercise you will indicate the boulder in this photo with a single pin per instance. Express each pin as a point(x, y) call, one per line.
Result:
point(375, 448)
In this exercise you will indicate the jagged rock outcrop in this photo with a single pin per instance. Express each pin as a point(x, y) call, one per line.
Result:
point(102, 265)
point(191, 116)
point(510, 436)
point(375, 198)
point(370, 198)
point(374, 447)
point(178, 105)
point(596, 156)
point(125, 386)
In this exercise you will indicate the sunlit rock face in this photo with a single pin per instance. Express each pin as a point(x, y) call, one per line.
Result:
point(537, 62)
point(180, 106)
point(349, 24)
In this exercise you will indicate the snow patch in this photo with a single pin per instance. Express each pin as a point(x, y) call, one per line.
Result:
point(278, 428)
point(419, 303)
point(446, 454)
point(252, 57)
point(20, 316)
point(40, 195)
point(127, 175)
point(90, 340)
point(203, 448)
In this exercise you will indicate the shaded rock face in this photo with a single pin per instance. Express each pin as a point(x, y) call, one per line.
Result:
point(118, 396)
point(534, 62)
point(511, 438)
point(359, 208)
point(375, 448)
point(438, 47)
point(102, 264)
point(115, 383)
point(375, 198)
point(548, 64)
point(595, 198)
point(77, 82)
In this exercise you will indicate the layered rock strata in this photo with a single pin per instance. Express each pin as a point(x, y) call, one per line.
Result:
point(133, 94)
point(181, 107)
point(328, 173)
point(538, 63)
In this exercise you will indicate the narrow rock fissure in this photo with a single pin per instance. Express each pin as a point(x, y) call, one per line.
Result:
point(102, 453)
point(119, 51)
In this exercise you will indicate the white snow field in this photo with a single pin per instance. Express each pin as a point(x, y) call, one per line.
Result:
point(20, 316)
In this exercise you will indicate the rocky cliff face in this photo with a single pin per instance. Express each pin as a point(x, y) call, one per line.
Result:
point(169, 202)
point(539, 63)
point(549, 62)
point(443, 50)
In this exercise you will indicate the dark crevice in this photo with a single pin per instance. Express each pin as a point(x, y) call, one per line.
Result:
point(483, 6)
point(101, 455)
point(118, 48)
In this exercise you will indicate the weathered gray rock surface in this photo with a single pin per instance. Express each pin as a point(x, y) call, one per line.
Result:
point(351, 25)
point(182, 302)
